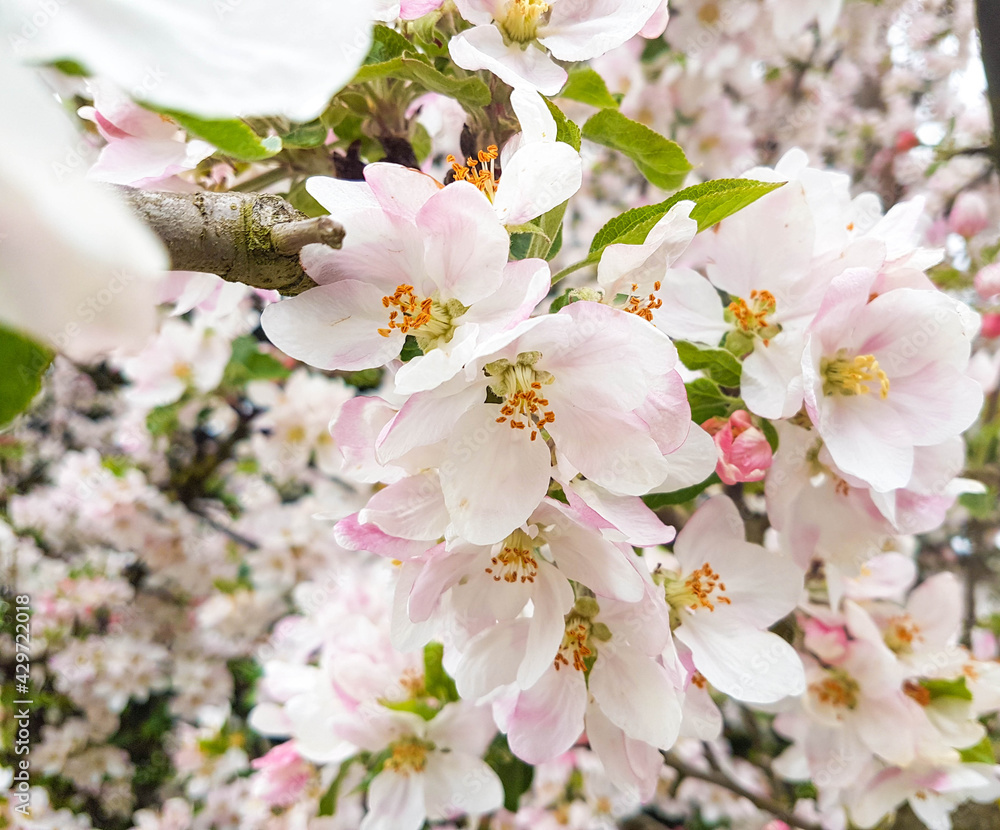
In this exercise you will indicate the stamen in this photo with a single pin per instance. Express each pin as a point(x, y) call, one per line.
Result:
point(519, 20)
point(427, 319)
point(915, 691)
point(520, 385)
point(644, 308)
point(408, 755)
point(751, 319)
point(574, 649)
point(837, 689)
point(901, 633)
point(853, 376)
point(702, 589)
point(515, 562)
point(485, 178)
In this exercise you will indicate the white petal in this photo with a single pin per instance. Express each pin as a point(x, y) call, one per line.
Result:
point(466, 248)
point(753, 666)
point(530, 68)
point(492, 476)
point(536, 179)
point(216, 60)
point(456, 783)
point(636, 694)
point(395, 802)
point(333, 327)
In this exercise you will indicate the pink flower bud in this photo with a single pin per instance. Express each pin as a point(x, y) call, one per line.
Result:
point(969, 215)
point(744, 454)
point(828, 642)
point(282, 775)
point(991, 326)
point(987, 281)
point(906, 140)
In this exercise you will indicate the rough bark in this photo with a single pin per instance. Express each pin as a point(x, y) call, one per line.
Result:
point(251, 238)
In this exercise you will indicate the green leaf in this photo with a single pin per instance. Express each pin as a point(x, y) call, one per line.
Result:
point(981, 753)
point(248, 363)
point(386, 45)
point(410, 349)
point(301, 199)
point(24, 362)
point(470, 92)
point(562, 301)
point(305, 135)
point(233, 138)
point(659, 159)
point(588, 87)
point(437, 682)
point(707, 400)
point(566, 131)
point(770, 433)
point(980, 505)
point(654, 501)
point(714, 201)
point(948, 688)
point(328, 803)
point(514, 774)
point(718, 364)
point(519, 244)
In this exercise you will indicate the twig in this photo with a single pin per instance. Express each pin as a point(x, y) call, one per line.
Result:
point(719, 779)
point(988, 19)
point(251, 238)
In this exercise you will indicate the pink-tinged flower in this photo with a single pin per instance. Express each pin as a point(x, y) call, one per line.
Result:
point(419, 259)
point(762, 257)
point(282, 775)
point(639, 272)
point(434, 768)
point(887, 374)
point(607, 667)
point(537, 172)
point(514, 39)
point(180, 357)
point(969, 214)
point(143, 147)
point(822, 512)
point(928, 626)
point(744, 453)
point(726, 594)
point(599, 382)
point(850, 711)
point(931, 790)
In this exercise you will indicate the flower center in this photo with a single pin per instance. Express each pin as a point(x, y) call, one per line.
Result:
point(709, 14)
point(408, 755)
point(853, 376)
point(901, 634)
point(520, 385)
point(644, 307)
point(486, 177)
point(837, 689)
point(915, 691)
point(520, 18)
point(750, 319)
point(702, 589)
point(575, 649)
point(430, 321)
point(515, 562)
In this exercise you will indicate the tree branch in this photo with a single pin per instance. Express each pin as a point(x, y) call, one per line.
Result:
point(251, 238)
point(988, 18)
point(722, 780)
